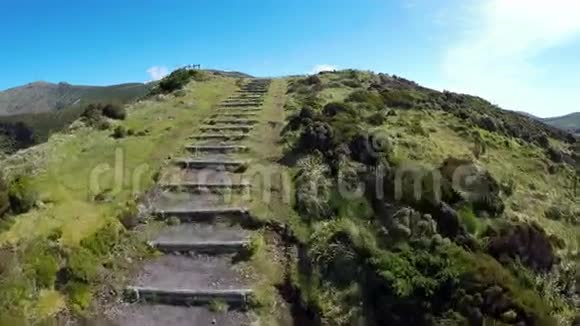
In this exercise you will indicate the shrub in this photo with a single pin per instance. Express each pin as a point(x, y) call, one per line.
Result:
point(372, 99)
point(4, 198)
point(334, 108)
point(80, 296)
point(41, 264)
point(469, 219)
point(177, 80)
point(398, 99)
point(83, 265)
point(351, 83)
point(92, 113)
point(21, 195)
point(377, 119)
point(115, 112)
point(313, 80)
point(129, 215)
point(562, 212)
point(120, 132)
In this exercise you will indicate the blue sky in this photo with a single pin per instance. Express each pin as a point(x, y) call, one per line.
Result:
point(521, 54)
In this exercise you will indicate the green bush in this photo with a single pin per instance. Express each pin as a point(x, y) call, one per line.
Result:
point(21, 195)
point(129, 215)
point(178, 79)
point(41, 264)
point(83, 265)
point(398, 99)
point(120, 132)
point(469, 220)
point(377, 119)
point(562, 212)
point(80, 296)
point(372, 99)
point(92, 113)
point(4, 198)
point(100, 243)
point(115, 112)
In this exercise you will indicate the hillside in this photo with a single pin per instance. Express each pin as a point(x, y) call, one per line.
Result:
point(29, 114)
point(344, 198)
point(567, 122)
point(40, 97)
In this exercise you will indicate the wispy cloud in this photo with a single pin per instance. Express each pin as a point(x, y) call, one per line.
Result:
point(495, 56)
point(323, 67)
point(157, 72)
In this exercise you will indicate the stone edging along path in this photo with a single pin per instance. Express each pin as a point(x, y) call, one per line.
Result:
point(197, 265)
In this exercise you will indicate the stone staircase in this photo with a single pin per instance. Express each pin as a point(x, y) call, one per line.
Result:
point(197, 264)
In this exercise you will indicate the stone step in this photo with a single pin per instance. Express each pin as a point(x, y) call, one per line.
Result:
point(207, 186)
point(217, 148)
point(184, 297)
point(229, 165)
point(150, 314)
point(244, 101)
point(203, 214)
point(242, 128)
point(222, 137)
point(242, 98)
point(232, 114)
point(201, 247)
point(240, 109)
point(232, 121)
point(240, 105)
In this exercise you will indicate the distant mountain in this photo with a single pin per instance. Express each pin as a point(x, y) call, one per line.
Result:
point(29, 114)
point(568, 122)
point(39, 97)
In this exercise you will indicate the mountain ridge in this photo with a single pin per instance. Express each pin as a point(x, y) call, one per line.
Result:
point(42, 96)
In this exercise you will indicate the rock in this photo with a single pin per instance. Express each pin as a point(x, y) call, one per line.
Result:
point(448, 223)
point(509, 316)
point(526, 242)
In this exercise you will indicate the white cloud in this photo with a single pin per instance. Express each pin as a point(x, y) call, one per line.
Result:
point(323, 67)
point(158, 72)
point(494, 57)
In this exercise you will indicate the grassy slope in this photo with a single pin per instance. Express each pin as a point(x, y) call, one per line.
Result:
point(49, 119)
point(525, 164)
point(427, 137)
point(62, 169)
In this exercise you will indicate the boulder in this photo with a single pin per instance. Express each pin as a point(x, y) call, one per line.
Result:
point(527, 243)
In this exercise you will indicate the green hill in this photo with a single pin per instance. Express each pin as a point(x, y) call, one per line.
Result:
point(30, 113)
point(387, 203)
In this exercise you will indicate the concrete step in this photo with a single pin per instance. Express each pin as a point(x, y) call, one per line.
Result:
point(150, 314)
point(240, 105)
point(202, 232)
point(233, 114)
point(255, 102)
point(207, 186)
point(185, 297)
point(217, 148)
point(247, 122)
point(203, 214)
point(239, 109)
point(228, 165)
point(221, 137)
point(201, 247)
point(218, 128)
